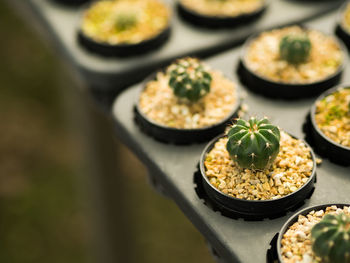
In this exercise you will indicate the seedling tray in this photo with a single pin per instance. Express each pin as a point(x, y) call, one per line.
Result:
point(174, 167)
point(113, 74)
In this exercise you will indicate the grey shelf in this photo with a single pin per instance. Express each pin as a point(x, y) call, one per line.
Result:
point(102, 74)
point(173, 166)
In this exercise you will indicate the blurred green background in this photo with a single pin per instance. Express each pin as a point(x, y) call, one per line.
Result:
point(48, 207)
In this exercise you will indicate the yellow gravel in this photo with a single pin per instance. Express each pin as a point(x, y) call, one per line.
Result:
point(228, 8)
point(333, 116)
point(262, 57)
point(346, 18)
point(158, 102)
point(296, 245)
point(290, 171)
point(99, 21)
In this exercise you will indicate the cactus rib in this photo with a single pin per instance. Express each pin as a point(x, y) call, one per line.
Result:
point(253, 144)
point(189, 79)
point(295, 48)
point(331, 238)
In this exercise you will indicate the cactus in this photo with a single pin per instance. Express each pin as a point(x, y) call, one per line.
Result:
point(253, 144)
point(295, 48)
point(189, 79)
point(331, 238)
point(125, 21)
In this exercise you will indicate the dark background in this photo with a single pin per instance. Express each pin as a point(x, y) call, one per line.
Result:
point(48, 208)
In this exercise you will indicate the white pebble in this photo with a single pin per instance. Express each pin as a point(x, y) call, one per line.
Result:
point(289, 254)
point(175, 109)
point(319, 213)
point(298, 160)
point(278, 176)
point(333, 129)
point(184, 110)
point(195, 118)
point(339, 211)
point(300, 235)
point(307, 258)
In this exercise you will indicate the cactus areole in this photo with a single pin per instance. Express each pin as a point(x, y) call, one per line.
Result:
point(331, 238)
point(253, 144)
point(295, 49)
point(189, 79)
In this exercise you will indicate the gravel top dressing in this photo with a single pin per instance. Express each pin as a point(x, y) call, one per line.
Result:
point(296, 242)
point(333, 116)
point(290, 171)
point(263, 57)
point(346, 18)
point(229, 8)
point(158, 102)
point(125, 21)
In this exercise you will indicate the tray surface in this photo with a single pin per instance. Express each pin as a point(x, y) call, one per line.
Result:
point(174, 166)
point(112, 73)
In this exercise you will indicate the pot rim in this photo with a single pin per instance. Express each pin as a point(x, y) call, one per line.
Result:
point(211, 144)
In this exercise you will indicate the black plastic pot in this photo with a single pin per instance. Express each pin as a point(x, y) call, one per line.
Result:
point(294, 219)
point(310, 1)
point(201, 20)
point(124, 50)
point(324, 145)
point(166, 134)
point(253, 209)
point(269, 88)
point(70, 2)
point(340, 31)
point(121, 50)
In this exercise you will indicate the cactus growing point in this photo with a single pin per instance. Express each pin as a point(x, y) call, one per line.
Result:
point(189, 79)
point(253, 144)
point(125, 21)
point(331, 238)
point(295, 48)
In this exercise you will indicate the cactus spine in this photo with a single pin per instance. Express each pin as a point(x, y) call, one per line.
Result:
point(295, 48)
point(125, 21)
point(331, 238)
point(253, 144)
point(189, 79)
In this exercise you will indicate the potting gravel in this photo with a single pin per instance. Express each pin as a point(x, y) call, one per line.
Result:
point(296, 245)
point(158, 102)
point(290, 171)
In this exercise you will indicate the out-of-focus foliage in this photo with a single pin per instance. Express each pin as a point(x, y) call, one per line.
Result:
point(43, 215)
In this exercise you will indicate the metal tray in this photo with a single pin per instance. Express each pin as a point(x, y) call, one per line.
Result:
point(59, 23)
point(234, 240)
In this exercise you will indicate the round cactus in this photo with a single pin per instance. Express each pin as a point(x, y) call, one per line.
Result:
point(331, 238)
point(295, 48)
point(125, 21)
point(253, 144)
point(189, 79)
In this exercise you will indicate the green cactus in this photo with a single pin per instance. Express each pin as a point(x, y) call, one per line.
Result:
point(189, 79)
point(331, 238)
point(253, 144)
point(295, 48)
point(125, 21)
